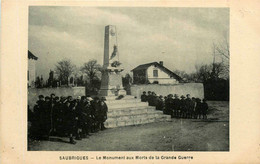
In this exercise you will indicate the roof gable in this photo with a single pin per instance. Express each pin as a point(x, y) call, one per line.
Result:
point(145, 66)
point(31, 56)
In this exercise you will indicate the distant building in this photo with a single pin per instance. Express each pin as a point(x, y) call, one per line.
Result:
point(154, 73)
point(31, 72)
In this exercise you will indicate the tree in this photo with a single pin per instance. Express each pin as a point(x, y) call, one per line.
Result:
point(127, 80)
point(223, 49)
point(91, 69)
point(185, 76)
point(203, 72)
point(64, 69)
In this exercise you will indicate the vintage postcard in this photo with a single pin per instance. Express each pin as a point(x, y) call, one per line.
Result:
point(125, 82)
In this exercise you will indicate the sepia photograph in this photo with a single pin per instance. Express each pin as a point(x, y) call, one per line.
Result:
point(128, 79)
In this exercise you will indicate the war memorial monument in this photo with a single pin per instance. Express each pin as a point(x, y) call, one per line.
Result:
point(123, 110)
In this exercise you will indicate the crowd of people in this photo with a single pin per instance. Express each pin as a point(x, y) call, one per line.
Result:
point(183, 107)
point(77, 118)
point(67, 117)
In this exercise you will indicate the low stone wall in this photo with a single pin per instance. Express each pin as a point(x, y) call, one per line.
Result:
point(194, 89)
point(33, 93)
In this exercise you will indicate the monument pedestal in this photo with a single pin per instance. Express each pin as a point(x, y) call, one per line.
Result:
point(111, 82)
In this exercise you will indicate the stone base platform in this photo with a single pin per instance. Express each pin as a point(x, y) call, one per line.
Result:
point(131, 111)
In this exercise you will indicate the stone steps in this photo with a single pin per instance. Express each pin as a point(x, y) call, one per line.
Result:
point(131, 111)
point(112, 123)
point(123, 101)
point(127, 117)
point(127, 97)
point(126, 105)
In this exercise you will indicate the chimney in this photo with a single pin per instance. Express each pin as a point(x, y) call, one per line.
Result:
point(161, 62)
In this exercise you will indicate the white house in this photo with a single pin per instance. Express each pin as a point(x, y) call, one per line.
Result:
point(154, 73)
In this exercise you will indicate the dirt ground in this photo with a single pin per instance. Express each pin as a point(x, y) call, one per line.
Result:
point(177, 135)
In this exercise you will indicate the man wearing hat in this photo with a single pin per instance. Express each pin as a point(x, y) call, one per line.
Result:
point(169, 105)
point(160, 103)
point(189, 106)
point(39, 103)
point(204, 108)
point(83, 111)
point(154, 99)
point(144, 97)
point(95, 109)
point(198, 108)
point(149, 98)
point(38, 125)
point(193, 107)
point(70, 99)
point(176, 106)
point(52, 97)
point(89, 98)
point(56, 114)
point(102, 114)
point(78, 99)
point(47, 109)
point(183, 106)
point(90, 112)
point(70, 120)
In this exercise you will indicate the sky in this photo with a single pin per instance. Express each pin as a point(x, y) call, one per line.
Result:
point(180, 37)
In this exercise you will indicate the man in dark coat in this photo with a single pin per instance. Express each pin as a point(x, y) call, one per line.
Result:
point(70, 120)
point(38, 124)
point(144, 97)
point(189, 106)
point(183, 107)
point(176, 106)
point(169, 105)
point(47, 116)
point(154, 99)
point(149, 98)
point(166, 104)
point(204, 108)
point(84, 115)
point(193, 107)
point(101, 114)
point(52, 97)
point(90, 111)
point(56, 112)
point(160, 103)
point(94, 113)
point(198, 108)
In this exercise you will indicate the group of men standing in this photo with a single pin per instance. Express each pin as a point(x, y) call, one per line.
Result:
point(65, 116)
point(186, 107)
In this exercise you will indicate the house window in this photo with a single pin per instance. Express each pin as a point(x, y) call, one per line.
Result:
point(155, 73)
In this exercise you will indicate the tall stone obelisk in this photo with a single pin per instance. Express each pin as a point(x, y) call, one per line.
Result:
point(111, 81)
